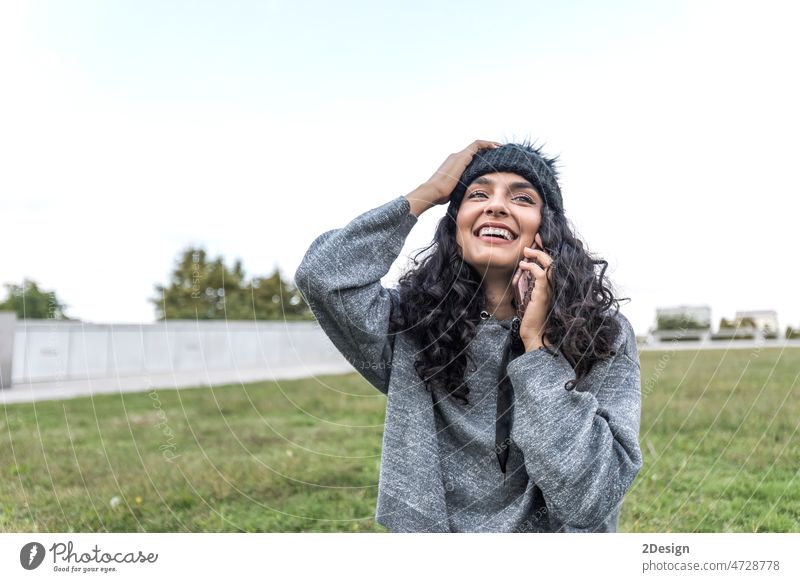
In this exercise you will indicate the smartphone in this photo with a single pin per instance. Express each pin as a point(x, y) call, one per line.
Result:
point(523, 289)
point(523, 281)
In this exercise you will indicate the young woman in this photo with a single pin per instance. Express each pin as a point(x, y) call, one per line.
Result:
point(513, 388)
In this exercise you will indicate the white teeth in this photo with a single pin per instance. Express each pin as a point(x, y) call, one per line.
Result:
point(492, 230)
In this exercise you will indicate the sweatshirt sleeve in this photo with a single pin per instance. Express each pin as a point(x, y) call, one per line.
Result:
point(339, 278)
point(580, 448)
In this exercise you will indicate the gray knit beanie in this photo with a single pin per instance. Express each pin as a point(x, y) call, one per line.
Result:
point(522, 159)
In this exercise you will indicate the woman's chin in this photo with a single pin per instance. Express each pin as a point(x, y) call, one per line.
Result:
point(483, 266)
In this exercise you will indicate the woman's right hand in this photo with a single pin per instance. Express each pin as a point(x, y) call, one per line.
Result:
point(438, 188)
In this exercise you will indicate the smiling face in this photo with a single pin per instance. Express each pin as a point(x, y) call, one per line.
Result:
point(501, 199)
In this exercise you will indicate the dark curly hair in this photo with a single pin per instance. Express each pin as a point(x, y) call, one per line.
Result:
point(441, 298)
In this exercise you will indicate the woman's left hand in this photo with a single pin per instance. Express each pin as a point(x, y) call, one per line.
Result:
point(531, 329)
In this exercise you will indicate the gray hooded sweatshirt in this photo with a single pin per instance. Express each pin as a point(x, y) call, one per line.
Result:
point(572, 455)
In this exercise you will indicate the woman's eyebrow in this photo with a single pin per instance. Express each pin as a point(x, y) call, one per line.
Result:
point(514, 185)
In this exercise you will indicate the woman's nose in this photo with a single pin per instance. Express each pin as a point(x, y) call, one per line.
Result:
point(497, 204)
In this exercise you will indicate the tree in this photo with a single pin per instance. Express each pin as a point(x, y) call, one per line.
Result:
point(30, 302)
point(203, 289)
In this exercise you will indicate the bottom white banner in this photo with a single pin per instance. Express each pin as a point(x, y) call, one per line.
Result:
point(128, 556)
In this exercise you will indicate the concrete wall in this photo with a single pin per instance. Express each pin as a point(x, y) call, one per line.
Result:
point(48, 351)
point(8, 321)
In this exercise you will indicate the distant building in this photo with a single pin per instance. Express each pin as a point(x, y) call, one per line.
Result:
point(766, 319)
point(682, 322)
point(692, 323)
point(699, 313)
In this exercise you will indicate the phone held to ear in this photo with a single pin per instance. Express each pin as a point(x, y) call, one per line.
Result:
point(523, 290)
point(524, 287)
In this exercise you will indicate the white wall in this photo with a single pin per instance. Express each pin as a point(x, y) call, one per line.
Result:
point(7, 326)
point(48, 350)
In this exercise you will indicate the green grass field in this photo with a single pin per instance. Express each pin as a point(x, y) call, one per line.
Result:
point(719, 435)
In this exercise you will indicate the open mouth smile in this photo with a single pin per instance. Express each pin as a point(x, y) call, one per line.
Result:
point(495, 235)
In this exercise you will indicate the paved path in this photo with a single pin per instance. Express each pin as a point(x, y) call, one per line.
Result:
point(38, 391)
point(668, 345)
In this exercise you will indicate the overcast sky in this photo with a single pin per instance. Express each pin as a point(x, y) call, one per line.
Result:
point(129, 130)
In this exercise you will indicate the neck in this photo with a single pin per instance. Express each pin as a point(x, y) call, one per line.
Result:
point(498, 295)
